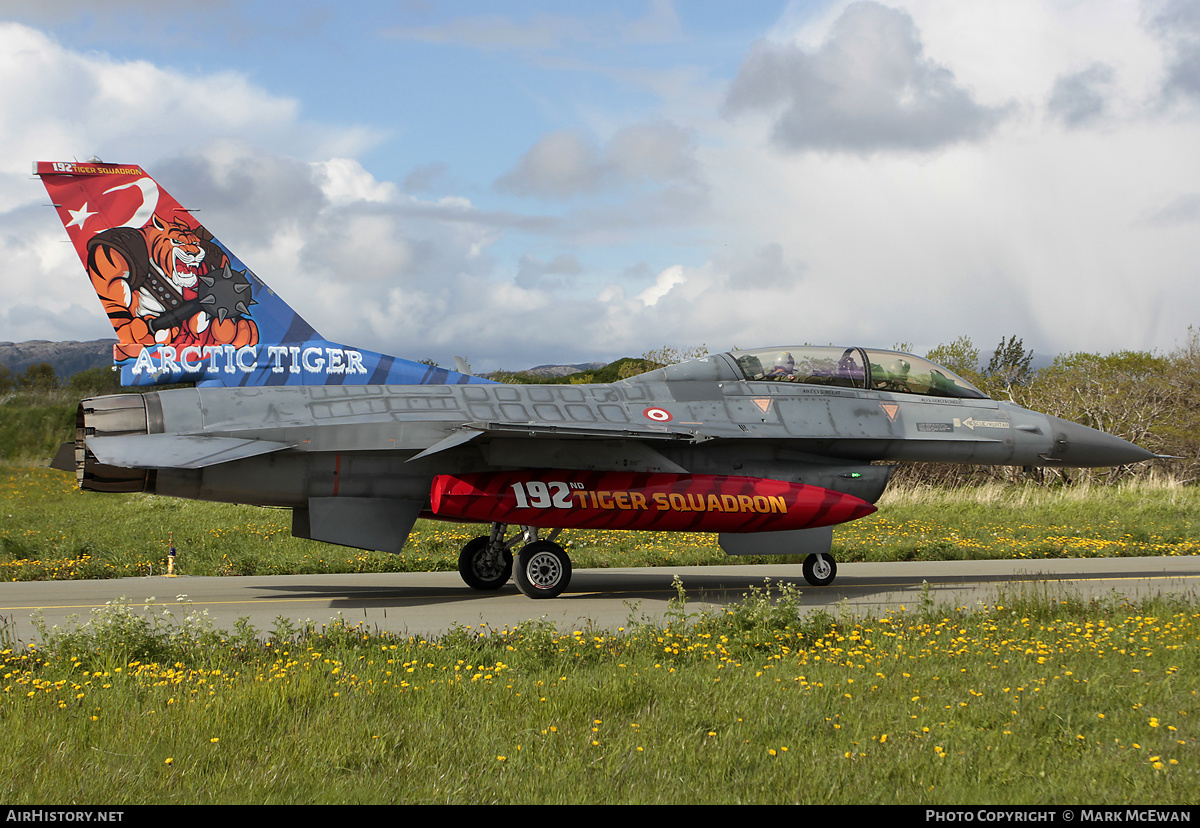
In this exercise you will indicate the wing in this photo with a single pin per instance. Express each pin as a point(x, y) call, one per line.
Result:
point(594, 431)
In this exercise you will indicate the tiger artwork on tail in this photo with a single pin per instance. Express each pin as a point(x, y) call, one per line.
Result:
point(148, 280)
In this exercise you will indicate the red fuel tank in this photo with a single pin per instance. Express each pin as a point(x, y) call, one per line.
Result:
point(550, 499)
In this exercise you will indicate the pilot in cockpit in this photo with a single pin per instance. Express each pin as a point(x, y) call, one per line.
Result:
point(784, 367)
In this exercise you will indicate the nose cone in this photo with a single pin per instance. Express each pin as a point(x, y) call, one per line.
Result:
point(1079, 446)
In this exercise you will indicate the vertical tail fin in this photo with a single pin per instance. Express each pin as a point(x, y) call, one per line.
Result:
point(184, 307)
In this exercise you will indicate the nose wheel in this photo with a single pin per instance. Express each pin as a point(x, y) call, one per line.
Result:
point(820, 569)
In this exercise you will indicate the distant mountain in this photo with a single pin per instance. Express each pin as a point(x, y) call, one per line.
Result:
point(563, 370)
point(67, 357)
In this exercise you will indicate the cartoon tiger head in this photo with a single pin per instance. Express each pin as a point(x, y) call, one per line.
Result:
point(175, 251)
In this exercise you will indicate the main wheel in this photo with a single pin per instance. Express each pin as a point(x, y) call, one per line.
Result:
point(543, 569)
point(483, 569)
point(820, 570)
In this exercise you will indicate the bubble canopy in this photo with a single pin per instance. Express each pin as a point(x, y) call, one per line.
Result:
point(864, 368)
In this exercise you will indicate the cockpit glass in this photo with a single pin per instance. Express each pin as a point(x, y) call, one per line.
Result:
point(844, 367)
point(810, 364)
point(908, 374)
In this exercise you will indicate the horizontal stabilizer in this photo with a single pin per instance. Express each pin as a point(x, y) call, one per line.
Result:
point(173, 451)
point(64, 458)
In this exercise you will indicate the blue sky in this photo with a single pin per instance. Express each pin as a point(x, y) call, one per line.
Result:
point(534, 182)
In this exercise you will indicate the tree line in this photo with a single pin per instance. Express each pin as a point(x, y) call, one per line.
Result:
point(1147, 398)
point(40, 377)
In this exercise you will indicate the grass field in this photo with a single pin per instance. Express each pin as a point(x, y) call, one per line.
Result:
point(1032, 701)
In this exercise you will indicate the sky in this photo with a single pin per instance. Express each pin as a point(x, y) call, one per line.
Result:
point(532, 182)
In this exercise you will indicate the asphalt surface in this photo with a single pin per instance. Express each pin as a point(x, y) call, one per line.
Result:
point(430, 603)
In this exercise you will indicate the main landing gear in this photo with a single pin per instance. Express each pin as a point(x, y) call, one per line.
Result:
point(542, 568)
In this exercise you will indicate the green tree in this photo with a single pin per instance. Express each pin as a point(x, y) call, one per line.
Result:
point(960, 356)
point(1129, 394)
point(1180, 430)
point(1010, 366)
point(39, 377)
point(660, 358)
point(99, 380)
point(6, 379)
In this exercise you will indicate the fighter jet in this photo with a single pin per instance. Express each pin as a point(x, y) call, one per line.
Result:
point(770, 447)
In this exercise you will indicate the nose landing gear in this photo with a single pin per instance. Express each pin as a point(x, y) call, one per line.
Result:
point(820, 569)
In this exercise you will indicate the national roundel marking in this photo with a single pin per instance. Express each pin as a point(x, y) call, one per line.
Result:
point(659, 415)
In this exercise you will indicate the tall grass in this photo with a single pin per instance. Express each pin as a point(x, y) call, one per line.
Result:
point(1155, 515)
point(34, 424)
point(1036, 700)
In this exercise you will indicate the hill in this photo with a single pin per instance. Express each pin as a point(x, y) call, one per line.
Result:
point(67, 358)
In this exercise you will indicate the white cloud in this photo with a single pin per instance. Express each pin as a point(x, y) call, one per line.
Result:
point(1177, 23)
point(1082, 97)
point(560, 165)
point(343, 180)
point(869, 87)
point(1177, 209)
point(59, 103)
point(666, 280)
point(54, 102)
point(563, 164)
point(1073, 239)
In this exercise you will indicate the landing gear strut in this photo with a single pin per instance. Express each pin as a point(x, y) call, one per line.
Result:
point(543, 568)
